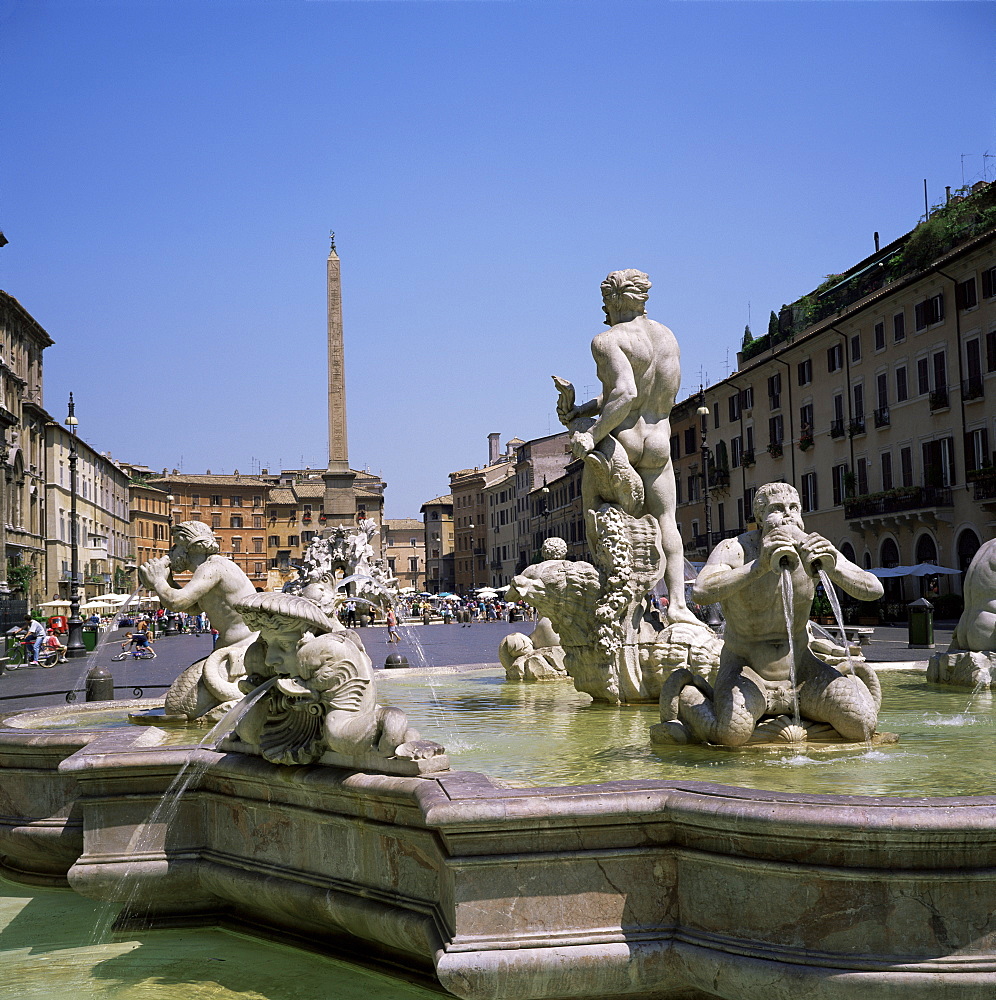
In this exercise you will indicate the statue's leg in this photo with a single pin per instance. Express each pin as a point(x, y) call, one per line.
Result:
point(827, 695)
point(660, 500)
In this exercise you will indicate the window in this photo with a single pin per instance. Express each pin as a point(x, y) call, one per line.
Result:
point(413, 564)
point(236, 544)
point(976, 449)
point(216, 520)
point(412, 542)
point(734, 407)
point(195, 500)
point(965, 296)
point(690, 441)
point(776, 430)
point(989, 283)
point(929, 311)
point(938, 462)
point(257, 520)
point(940, 371)
point(215, 499)
point(747, 398)
point(838, 473)
point(390, 565)
point(307, 537)
point(693, 488)
point(861, 476)
point(906, 465)
point(775, 391)
point(750, 440)
point(858, 394)
point(273, 540)
point(748, 503)
point(257, 569)
point(293, 540)
point(835, 358)
point(257, 545)
point(856, 347)
point(805, 370)
point(991, 351)
point(879, 336)
point(807, 493)
point(257, 501)
point(236, 521)
point(736, 452)
point(902, 390)
point(235, 501)
point(715, 417)
point(886, 470)
point(806, 420)
point(923, 376)
point(675, 446)
point(899, 327)
point(881, 390)
point(677, 490)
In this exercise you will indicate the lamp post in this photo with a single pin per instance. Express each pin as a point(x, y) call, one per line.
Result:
point(473, 559)
point(74, 642)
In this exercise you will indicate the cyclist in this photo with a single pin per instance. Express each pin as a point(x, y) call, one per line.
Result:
point(32, 633)
point(140, 638)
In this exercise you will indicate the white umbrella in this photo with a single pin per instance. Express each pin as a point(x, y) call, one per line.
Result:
point(920, 569)
point(54, 604)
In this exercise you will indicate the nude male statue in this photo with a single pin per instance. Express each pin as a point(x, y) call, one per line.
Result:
point(637, 360)
point(744, 575)
point(208, 685)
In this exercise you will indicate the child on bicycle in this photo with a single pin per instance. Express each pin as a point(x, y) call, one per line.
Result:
point(52, 644)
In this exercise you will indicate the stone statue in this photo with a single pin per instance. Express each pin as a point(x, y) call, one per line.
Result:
point(348, 552)
point(323, 701)
point(538, 656)
point(207, 688)
point(758, 661)
point(971, 658)
point(627, 449)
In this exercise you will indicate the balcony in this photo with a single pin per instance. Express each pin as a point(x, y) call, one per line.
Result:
point(856, 426)
point(972, 388)
point(747, 459)
point(882, 417)
point(939, 399)
point(775, 449)
point(836, 428)
point(897, 501)
point(983, 484)
point(719, 478)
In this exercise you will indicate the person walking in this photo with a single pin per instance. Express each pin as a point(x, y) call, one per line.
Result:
point(392, 626)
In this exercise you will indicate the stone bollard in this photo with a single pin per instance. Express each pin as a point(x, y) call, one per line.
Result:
point(395, 660)
point(99, 684)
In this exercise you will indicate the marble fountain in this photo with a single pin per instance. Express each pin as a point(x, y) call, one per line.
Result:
point(664, 814)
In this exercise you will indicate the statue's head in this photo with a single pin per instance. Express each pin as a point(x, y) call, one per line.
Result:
point(777, 504)
point(283, 621)
point(554, 548)
point(192, 538)
point(625, 291)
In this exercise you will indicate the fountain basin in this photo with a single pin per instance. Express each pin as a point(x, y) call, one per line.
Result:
point(620, 888)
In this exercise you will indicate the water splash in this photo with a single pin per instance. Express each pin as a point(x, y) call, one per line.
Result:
point(787, 602)
point(831, 592)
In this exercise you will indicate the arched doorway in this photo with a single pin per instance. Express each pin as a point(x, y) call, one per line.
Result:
point(926, 552)
point(888, 556)
point(847, 551)
point(968, 545)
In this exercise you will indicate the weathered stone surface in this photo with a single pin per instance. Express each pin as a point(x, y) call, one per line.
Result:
point(962, 668)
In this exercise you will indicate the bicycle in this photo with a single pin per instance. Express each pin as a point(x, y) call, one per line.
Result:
point(24, 653)
point(144, 653)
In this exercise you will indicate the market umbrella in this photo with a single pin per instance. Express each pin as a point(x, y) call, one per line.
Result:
point(920, 569)
point(54, 604)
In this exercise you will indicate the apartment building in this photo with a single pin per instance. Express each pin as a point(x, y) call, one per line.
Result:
point(437, 526)
point(149, 509)
point(403, 544)
point(875, 396)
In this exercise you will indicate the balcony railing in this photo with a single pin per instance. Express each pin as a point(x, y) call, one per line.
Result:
point(747, 459)
point(775, 449)
point(895, 501)
point(882, 417)
point(836, 428)
point(856, 426)
point(939, 399)
point(983, 485)
point(719, 478)
point(973, 388)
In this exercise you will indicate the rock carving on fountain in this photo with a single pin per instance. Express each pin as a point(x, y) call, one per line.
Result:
point(346, 552)
point(970, 660)
point(768, 679)
point(209, 687)
point(538, 656)
point(323, 704)
point(614, 641)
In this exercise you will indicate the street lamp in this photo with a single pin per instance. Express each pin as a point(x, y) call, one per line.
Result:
point(473, 560)
point(74, 642)
point(703, 412)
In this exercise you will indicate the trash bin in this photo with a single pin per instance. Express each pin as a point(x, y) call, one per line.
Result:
point(90, 637)
point(921, 619)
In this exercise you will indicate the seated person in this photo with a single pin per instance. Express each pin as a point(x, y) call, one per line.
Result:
point(52, 642)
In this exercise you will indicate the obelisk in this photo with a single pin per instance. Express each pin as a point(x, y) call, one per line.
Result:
point(339, 503)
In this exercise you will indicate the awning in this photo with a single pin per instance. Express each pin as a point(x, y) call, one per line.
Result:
point(920, 569)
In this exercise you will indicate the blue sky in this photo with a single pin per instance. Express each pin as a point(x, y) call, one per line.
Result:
point(171, 171)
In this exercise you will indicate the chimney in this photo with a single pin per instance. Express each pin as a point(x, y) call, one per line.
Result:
point(876, 242)
point(493, 447)
point(947, 193)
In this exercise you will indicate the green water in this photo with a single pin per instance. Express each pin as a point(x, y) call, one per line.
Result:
point(173, 734)
point(46, 953)
point(549, 734)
